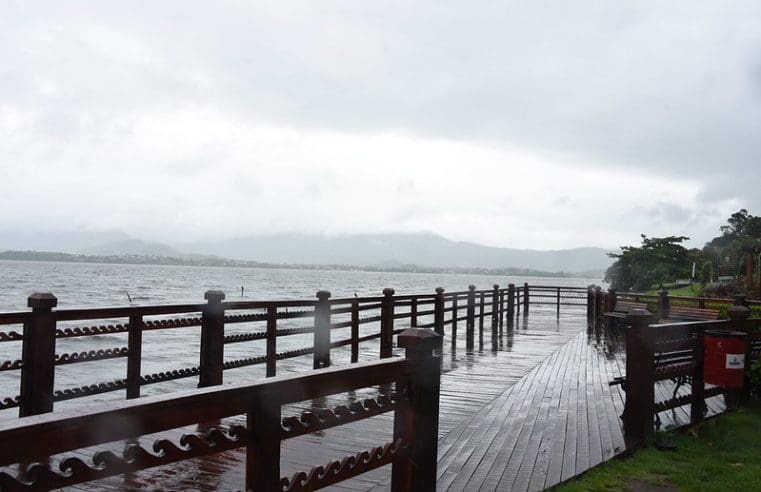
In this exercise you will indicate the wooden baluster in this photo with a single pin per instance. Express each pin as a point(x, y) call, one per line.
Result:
point(590, 301)
point(697, 405)
point(413, 312)
point(510, 304)
point(454, 321)
point(525, 299)
point(438, 311)
point(481, 302)
point(598, 304)
point(611, 300)
point(263, 444)
point(387, 323)
point(212, 340)
point(663, 304)
point(501, 311)
point(322, 330)
point(639, 409)
point(416, 419)
point(134, 355)
point(355, 331)
point(38, 356)
point(558, 305)
point(494, 316)
point(271, 340)
point(470, 318)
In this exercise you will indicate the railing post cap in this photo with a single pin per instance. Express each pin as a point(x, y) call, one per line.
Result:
point(323, 294)
point(439, 290)
point(598, 288)
point(739, 299)
point(388, 292)
point(418, 338)
point(511, 284)
point(612, 290)
point(495, 286)
point(42, 300)
point(471, 287)
point(663, 291)
point(214, 295)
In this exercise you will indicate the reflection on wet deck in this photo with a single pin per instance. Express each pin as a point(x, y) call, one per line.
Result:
point(523, 411)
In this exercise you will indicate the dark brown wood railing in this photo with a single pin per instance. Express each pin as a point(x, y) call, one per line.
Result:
point(444, 312)
point(674, 351)
point(411, 452)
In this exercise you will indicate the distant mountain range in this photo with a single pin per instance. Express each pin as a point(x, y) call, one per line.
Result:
point(371, 250)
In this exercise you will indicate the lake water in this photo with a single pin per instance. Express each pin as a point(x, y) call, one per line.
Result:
point(79, 285)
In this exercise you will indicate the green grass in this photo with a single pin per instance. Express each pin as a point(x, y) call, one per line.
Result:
point(721, 454)
point(689, 290)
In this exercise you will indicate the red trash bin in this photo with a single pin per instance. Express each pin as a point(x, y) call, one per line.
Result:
point(724, 362)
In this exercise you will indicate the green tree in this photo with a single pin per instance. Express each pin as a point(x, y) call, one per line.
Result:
point(658, 260)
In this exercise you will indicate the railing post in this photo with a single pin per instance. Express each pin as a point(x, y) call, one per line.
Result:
point(494, 315)
point(212, 339)
point(413, 312)
point(454, 320)
point(387, 323)
point(134, 355)
point(263, 444)
point(355, 331)
point(525, 299)
point(470, 322)
point(510, 303)
point(438, 311)
point(663, 304)
point(557, 313)
point(481, 301)
point(590, 301)
point(598, 302)
point(416, 419)
point(271, 340)
point(639, 408)
point(38, 356)
point(501, 310)
point(610, 300)
point(322, 330)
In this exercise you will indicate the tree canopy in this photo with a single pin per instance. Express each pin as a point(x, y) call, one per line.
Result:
point(658, 260)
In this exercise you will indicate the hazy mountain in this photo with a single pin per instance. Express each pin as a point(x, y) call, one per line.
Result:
point(134, 247)
point(379, 249)
point(72, 241)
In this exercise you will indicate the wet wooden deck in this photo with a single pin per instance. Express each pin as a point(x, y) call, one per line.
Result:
point(533, 413)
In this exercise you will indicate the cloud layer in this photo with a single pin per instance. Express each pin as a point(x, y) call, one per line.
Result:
point(521, 124)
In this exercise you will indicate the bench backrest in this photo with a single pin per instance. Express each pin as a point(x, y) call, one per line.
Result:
point(626, 306)
point(691, 313)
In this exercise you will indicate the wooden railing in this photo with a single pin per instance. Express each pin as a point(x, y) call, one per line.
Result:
point(411, 452)
point(660, 303)
point(444, 312)
point(674, 351)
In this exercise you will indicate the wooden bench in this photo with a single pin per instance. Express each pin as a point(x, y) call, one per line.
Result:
point(622, 310)
point(683, 313)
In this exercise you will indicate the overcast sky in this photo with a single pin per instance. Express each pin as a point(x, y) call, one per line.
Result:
point(519, 124)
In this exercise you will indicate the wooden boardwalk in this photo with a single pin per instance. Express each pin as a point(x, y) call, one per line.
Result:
point(536, 411)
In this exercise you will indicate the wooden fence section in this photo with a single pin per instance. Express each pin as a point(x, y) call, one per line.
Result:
point(224, 323)
point(675, 351)
point(412, 452)
point(660, 303)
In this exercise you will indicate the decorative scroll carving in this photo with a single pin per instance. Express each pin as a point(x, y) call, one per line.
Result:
point(324, 419)
point(158, 324)
point(9, 365)
point(170, 375)
point(232, 364)
point(10, 336)
point(245, 337)
point(244, 318)
point(90, 331)
point(105, 463)
point(10, 402)
point(261, 335)
point(91, 389)
point(295, 353)
point(350, 466)
point(91, 355)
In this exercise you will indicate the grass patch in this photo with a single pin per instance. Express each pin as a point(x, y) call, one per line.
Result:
point(688, 290)
point(718, 455)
